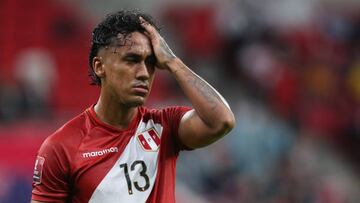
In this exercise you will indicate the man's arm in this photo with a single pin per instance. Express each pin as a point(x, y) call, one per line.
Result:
point(212, 117)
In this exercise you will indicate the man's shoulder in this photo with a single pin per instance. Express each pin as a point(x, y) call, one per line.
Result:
point(164, 113)
point(70, 131)
point(165, 109)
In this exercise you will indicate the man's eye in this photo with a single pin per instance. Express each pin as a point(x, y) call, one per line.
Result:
point(132, 59)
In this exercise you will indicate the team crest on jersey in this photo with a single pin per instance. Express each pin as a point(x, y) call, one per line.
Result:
point(39, 164)
point(149, 140)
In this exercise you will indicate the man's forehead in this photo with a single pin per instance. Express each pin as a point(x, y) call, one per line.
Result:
point(131, 39)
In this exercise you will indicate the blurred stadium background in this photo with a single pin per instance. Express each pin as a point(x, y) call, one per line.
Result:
point(290, 70)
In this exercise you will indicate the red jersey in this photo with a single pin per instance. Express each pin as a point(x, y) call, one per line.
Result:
point(88, 160)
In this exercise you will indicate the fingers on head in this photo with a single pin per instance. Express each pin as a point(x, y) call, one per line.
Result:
point(150, 30)
point(143, 21)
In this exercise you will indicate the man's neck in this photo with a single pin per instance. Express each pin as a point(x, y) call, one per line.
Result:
point(115, 114)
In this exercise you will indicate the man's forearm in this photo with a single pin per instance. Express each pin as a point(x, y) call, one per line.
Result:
point(208, 103)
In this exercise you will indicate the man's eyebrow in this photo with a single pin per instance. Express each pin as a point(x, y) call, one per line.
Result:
point(137, 54)
point(132, 54)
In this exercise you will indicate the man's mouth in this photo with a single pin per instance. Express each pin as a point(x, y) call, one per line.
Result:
point(141, 88)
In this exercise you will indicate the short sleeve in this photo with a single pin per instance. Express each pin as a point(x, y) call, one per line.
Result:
point(174, 116)
point(50, 180)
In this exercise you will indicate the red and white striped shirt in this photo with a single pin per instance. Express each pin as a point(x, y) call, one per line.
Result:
point(88, 160)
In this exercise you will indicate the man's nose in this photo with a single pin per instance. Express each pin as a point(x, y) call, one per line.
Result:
point(142, 71)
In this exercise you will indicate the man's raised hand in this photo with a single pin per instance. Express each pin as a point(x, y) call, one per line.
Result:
point(162, 51)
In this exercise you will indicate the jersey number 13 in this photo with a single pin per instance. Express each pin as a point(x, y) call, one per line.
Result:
point(142, 173)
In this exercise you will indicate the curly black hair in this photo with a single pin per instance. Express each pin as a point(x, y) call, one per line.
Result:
point(104, 34)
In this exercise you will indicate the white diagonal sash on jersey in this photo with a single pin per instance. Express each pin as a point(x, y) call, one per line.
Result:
point(136, 185)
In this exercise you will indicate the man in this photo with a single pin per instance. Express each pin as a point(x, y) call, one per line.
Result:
point(118, 150)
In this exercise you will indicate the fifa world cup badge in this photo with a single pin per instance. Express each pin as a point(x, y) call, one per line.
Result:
point(39, 164)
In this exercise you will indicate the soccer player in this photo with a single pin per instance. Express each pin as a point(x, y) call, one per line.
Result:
point(118, 150)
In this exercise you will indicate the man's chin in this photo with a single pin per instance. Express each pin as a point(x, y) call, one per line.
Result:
point(139, 101)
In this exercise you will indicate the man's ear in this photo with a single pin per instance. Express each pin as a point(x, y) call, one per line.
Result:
point(98, 66)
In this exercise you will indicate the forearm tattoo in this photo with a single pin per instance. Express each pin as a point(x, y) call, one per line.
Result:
point(203, 88)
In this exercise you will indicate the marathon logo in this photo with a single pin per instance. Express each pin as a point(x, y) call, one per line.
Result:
point(100, 153)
